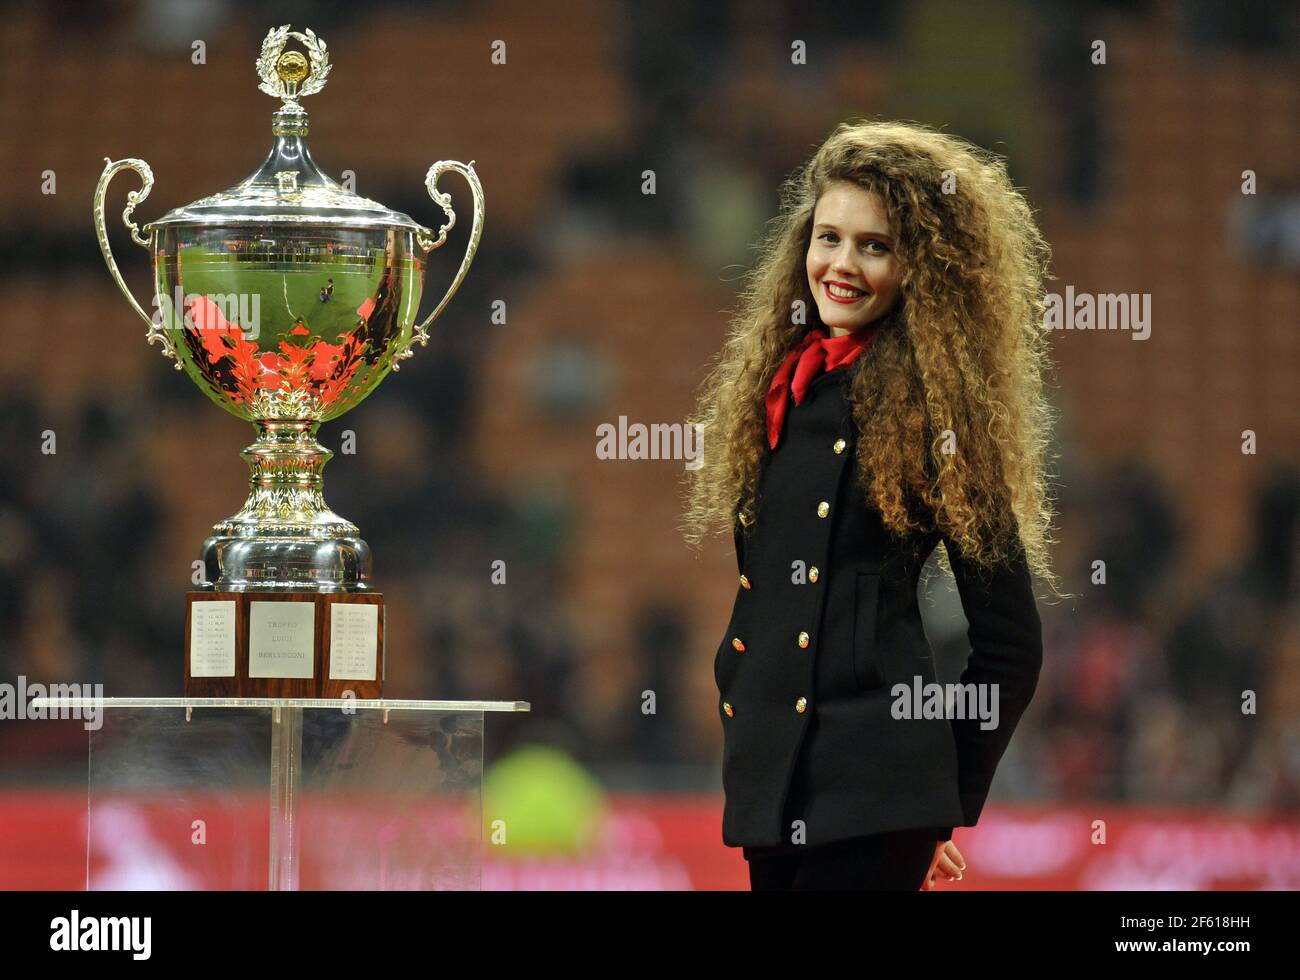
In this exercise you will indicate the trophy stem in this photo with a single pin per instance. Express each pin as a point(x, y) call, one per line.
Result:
point(286, 484)
point(285, 537)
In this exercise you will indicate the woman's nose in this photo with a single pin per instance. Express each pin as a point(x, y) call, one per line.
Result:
point(842, 263)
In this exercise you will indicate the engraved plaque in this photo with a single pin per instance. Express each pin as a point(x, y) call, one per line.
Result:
point(354, 641)
point(212, 638)
point(281, 640)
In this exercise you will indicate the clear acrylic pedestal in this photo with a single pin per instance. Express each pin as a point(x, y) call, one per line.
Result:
point(362, 794)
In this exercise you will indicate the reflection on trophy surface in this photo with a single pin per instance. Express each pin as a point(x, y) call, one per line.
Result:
point(287, 299)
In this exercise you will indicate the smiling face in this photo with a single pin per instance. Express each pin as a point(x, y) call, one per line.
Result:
point(852, 270)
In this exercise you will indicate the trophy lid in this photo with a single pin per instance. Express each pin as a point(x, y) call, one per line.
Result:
point(289, 187)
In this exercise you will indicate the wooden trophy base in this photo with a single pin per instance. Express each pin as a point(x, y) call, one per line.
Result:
point(284, 644)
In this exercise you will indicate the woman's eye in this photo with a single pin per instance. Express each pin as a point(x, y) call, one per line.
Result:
point(830, 238)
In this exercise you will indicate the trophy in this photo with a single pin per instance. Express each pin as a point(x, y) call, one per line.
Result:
point(287, 299)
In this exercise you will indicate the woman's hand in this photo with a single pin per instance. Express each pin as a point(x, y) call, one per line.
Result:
point(947, 862)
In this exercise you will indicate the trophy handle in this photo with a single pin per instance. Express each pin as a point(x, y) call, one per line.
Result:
point(428, 243)
point(156, 333)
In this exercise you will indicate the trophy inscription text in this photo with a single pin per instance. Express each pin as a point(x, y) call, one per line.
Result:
point(212, 638)
point(354, 642)
point(281, 639)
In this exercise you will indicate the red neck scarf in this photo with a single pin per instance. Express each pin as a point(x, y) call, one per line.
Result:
point(812, 355)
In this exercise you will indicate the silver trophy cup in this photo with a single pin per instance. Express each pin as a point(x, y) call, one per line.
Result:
point(287, 299)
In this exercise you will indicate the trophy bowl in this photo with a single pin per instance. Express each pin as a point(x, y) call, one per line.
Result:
point(241, 304)
point(287, 298)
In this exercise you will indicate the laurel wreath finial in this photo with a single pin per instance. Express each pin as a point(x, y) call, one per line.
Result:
point(287, 75)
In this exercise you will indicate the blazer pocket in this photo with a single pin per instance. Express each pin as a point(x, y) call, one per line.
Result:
point(866, 652)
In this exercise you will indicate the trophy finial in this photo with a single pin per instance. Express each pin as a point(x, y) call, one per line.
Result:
point(292, 67)
point(289, 75)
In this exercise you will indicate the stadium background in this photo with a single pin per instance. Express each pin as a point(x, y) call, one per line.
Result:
point(484, 447)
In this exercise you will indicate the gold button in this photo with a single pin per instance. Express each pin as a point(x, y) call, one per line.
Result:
point(823, 509)
point(745, 582)
point(801, 705)
point(735, 642)
point(728, 709)
point(813, 573)
point(839, 446)
point(803, 639)
point(745, 519)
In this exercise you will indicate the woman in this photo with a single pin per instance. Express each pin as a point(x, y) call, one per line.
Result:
point(880, 391)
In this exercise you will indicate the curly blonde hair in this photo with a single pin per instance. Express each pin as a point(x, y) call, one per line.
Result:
point(961, 357)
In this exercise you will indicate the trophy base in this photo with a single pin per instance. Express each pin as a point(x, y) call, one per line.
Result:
point(263, 563)
point(284, 644)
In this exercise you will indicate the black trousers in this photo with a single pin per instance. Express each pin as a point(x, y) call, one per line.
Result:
point(895, 861)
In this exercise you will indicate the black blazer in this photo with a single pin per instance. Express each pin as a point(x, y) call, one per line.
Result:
point(805, 669)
